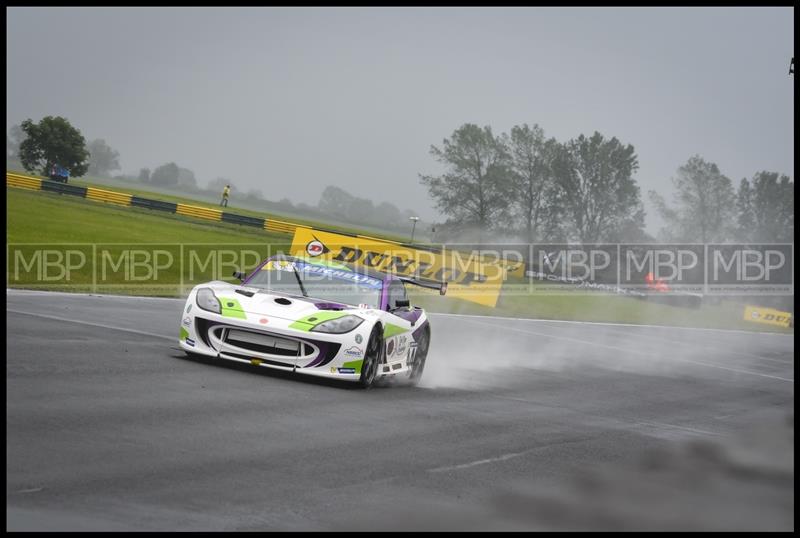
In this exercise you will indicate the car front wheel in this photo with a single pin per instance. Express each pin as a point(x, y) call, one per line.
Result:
point(419, 359)
point(373, 356)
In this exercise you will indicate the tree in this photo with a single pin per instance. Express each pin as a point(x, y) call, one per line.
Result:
point(216, 186)
point(255, 194)
point(102, 159)
point(705, 204)
point(13, 140)
point(531, 177)
point(389, 213)
point(144, 175)
point(53, 141)
point(335, 201)
point(166, 175)
point(476, 186)
point(745, 219)
point(766, 208)
point(186, 178)
point(597, 189)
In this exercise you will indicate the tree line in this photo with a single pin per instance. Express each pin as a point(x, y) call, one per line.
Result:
point(53, 140)
point(518, 186)
point(526, 186)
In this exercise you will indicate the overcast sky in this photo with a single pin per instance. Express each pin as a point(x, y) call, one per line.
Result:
point(290, 100)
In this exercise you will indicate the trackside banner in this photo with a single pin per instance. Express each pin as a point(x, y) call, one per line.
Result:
point(770, 316)
point(469, 276)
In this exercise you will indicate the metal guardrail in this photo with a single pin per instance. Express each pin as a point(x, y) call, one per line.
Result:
point(23, 182)
point(242, 219)
point(199, 212)
point(112, 197)
point(157, 205)
point(63, 188)
point(279, 226)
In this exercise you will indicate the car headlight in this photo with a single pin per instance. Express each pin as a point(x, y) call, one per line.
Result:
point(208, 301)
point(339, 325)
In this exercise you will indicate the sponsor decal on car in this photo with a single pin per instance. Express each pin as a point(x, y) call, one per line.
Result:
point(344, 274)
point(346, 370)
point(187, 321)
point(279, 265)
point(354, 352)
point(190, 342)
point(402, 342)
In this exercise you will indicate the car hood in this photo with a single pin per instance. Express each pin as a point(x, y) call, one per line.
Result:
point(238, 299)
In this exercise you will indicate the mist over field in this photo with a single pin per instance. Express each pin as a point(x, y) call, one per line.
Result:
point(287, 101)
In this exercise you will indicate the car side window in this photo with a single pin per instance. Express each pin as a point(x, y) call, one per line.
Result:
point(397, 292)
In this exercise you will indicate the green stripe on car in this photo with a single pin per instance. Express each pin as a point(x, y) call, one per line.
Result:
point(354, 364)
point(392, 330)
point(184, 333)
point(306, 323)
point(231, 308)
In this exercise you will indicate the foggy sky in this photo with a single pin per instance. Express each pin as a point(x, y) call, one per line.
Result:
point(290, 100)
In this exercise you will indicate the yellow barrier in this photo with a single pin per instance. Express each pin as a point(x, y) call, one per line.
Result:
point(770, 316)
point(199, 212)
point(280, 226)
point(111, 197)
point(23, 182)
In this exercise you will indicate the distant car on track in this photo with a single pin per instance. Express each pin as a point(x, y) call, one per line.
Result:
point(314, 317)
point(59, 173)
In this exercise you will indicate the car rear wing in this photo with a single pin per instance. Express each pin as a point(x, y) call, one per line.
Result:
point(425, 283)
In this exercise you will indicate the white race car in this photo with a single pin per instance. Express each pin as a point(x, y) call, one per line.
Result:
point(313, 317)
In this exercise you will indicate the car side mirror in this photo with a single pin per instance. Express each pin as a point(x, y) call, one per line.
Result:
point(240, 275)
point(402, 303)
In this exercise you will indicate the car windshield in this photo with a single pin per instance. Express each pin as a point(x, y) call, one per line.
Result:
point(340, 285)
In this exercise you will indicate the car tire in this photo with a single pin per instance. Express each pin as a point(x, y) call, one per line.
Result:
point(419, 359)
point(373, 357)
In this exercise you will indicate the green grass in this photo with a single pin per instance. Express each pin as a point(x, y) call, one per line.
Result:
point(54, 219)
point(590, 306)
point(42, 217)
point(202, 200)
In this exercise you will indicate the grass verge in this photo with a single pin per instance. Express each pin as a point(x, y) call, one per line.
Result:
point(143, 252)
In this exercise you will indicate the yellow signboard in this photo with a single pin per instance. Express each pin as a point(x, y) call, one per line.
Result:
point(469, 276)
point(767, 315)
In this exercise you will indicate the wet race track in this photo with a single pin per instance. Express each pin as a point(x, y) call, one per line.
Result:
point(517, 424)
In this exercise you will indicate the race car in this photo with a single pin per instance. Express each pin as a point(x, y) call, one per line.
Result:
point(313, 317)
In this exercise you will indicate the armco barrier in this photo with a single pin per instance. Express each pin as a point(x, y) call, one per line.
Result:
point(23, 182)
point(280, 226)
point(157, 205)
point(199, 212)
point(63, 188)
point(125, 199)
point(111, 197)
point(242, 219)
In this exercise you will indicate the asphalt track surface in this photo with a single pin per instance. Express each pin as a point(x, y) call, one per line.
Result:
point(518, 424)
